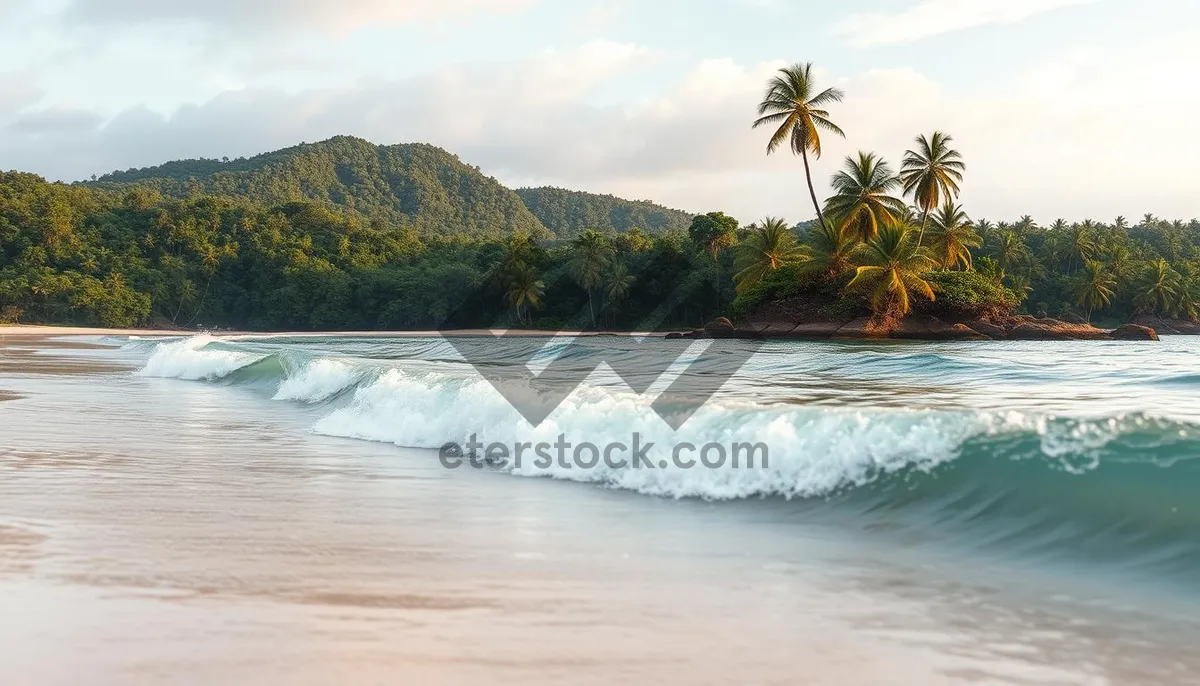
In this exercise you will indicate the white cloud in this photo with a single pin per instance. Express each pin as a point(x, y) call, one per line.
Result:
point(334, 15)
point(1036, 142)
point(934, 17)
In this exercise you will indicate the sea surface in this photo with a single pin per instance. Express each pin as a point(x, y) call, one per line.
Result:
point(260, 509)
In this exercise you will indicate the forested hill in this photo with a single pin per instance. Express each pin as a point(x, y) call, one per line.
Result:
point(416, 186)
point(570, 213)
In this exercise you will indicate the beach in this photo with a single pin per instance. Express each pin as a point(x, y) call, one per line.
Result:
point(166, 529)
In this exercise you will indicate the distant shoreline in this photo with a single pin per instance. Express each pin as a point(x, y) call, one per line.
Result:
point(39, 330)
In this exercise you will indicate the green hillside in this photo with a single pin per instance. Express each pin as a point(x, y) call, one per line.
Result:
point(570, 213)
point(416, 186)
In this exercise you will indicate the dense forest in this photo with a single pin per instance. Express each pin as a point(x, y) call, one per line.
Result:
point(348, 235)
point(573, 212)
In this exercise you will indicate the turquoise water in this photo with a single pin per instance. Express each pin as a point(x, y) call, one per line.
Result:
point(1061, 454)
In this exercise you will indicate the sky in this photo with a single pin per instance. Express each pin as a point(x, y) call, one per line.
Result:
point(1061, 108)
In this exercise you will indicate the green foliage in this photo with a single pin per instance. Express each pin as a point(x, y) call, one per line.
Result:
point(570, 213)
point(967, 294)
point(416, 186)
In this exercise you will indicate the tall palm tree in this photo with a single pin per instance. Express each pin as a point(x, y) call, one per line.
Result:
point(1081, 243)
point(525, 290)
point(862, 202)
point(953, 236)
point(1010, 251)
point(797, 110)
point(890, 268)
point(618, 284)
point(1094, 288)
point(983, 226)
point(767, 248)
point(1187, 293)
point(931, 173)
point(1157, 287)
point(829, 251)
point(590, 257)
point(1120, 223)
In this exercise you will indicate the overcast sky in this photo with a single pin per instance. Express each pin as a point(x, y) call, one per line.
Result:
point(1074, 108)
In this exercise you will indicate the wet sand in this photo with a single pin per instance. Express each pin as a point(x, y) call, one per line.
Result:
point(155, 531)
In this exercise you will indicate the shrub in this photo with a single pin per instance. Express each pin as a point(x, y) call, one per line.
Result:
point(967, 294)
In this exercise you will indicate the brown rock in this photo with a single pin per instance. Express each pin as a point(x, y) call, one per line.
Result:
point(1054, 330)
point(863, 327)
point(988, 329)
point(1133, 332)
point(720, 327)
point(674, 336)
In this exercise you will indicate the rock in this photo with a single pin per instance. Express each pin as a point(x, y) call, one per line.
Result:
point(720, 327)
point(792, 330)
point(1165, 326)
point(988, 329)
point(1054, 330)
point(863, 327)
point(674, 336)
point(1133, 332)
point(927, 328)
point(962, 332)
point(1072, 318)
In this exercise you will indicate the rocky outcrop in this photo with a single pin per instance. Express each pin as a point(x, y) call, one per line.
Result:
point(1173, 327)
point(1133, 332)
point(795, 323)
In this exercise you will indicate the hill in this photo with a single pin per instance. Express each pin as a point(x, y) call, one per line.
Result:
point(569, 213)
point(416, 186)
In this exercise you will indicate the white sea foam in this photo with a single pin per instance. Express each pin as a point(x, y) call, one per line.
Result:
point(190, 359)
point(812, 451)
point(319, 380)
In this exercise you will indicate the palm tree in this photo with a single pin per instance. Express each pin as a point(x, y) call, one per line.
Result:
point(983, 226)
point(890, 268)
point(1187, 293)
point(1094, 289)
point(619, 284)
point(931, 173)
point(1081, 243)
point(1120, 223)
point(953, 236)
point(829, 251)
point(792, 103)
point(1010, 250)
point(767, 248)
point(1021, 287)
point(862, 202)
point(591, 255)
point(1157, 287)
point(525, 290)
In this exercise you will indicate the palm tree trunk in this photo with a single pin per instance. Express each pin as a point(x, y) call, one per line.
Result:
point(811, 192)
point(924, 224)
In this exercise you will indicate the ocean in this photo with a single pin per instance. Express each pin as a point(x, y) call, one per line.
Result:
point(283, 509)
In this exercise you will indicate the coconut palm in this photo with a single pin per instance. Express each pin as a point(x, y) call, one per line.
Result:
point(1081, 243)
point(1021, 287)
point(953, 236)
point(793, 106)
point(1094, 288)
point(1011, 251)
point(525, 290)
point(890, 269)
point(1187, 293)
point(1157, 287)
point(590, 257)
point(829, 251)
point(862, 202)
point(767, 248)
point(931, 173)
point(983, 226)
point(1120, 223)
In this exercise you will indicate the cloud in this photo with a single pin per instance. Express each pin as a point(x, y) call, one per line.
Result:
point(332, 15)
point(935, 17)
point(1035, 141)
point(57, 120)
point(17, 91)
